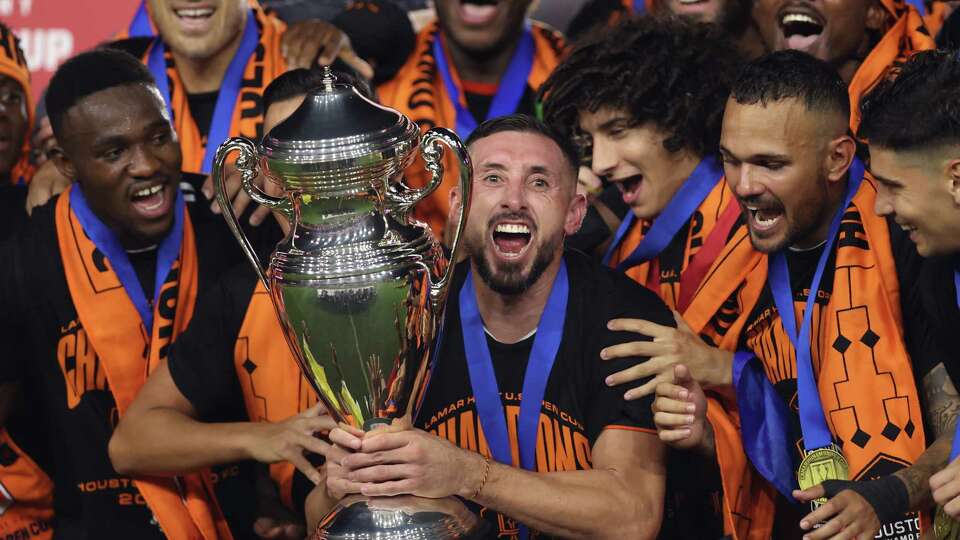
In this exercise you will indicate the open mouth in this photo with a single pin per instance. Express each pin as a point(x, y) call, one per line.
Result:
point(478, 12)
point(629, 187)
point(511, 238)
point(152, 201)
point(194, 18)
point(801, 28)
point(763, 218)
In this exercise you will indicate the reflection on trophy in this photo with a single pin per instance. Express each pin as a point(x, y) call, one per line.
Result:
point(358, 285)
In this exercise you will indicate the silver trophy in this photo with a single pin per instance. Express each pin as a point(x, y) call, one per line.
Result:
point(359, 286)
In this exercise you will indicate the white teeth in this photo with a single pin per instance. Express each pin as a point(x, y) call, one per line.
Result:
point(798, 18)
point(512, 228)
point(201, 12)
point(146, 192)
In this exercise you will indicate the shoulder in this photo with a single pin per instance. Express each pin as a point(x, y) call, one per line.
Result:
point(610, 294)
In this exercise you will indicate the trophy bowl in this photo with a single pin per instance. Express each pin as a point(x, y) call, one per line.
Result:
point(358, 285)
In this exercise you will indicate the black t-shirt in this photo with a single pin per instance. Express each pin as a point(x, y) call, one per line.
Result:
point(91, 499)
point(922, 335)
point(202, 106)
point(577, 406)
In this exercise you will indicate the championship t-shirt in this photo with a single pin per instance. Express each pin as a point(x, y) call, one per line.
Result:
point(69, 400)
point(577, 405)
point(925, 346)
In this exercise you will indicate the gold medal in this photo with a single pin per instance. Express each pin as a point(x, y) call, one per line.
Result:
point(820, 465)
point(945, 527)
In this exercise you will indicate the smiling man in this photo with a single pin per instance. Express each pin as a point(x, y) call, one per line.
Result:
point(482, 59)
point(846, 407)
point(523, 315)
point(97, 287)
point(912, 125)
point(862, 39)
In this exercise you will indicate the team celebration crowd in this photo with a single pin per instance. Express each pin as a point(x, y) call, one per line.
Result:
point(712, 272)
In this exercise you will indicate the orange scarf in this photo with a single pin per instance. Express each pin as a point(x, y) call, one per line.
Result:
point(906, 36)
point(865, 288)
point(418, 91)
point(264, 66)
point(26, 495)
point(14, 65)
point(936, 17)
point(273, 386)
point(711, 316)
point(129, 353)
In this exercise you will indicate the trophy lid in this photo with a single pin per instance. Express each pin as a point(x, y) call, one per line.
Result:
point(339, 127)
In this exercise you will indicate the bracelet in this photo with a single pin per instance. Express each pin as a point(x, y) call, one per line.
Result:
point(483, 481)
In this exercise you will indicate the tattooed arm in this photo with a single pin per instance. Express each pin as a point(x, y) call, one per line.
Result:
point(941, 405)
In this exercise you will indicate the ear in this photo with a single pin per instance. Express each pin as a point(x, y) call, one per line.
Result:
point(840, 154)
point(576, 211)
point(953, 181)
point(877, 16)
point(63, 163)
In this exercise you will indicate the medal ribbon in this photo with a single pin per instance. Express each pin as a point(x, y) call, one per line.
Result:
point(229, 89)
point(639, 7)
point(108, 244)
point(509, 92)
point(674, 216)
point(813, 424)
point(483, 379)
point(140, 25)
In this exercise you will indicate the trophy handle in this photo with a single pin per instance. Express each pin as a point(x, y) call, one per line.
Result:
point(247, 165)
point(433, 156)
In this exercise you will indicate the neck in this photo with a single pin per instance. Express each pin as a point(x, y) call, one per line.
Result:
point(818, 235)
point(682, 168)
point(511, 317)
point(483, 68)
point(201, 75)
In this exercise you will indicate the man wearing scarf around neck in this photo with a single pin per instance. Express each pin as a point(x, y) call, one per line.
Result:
point(864, 40)
point(911, 125)
point(846, 407)
point(653, 134)
point(481, 59)
point(97, 287)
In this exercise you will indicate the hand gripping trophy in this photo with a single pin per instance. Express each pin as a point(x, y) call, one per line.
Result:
point(358, 285)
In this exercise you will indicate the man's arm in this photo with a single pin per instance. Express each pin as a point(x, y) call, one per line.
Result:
point(942, 405)
point(160, 434)
point(621, 497)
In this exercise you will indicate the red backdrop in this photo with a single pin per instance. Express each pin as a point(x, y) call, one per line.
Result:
point(53, 30)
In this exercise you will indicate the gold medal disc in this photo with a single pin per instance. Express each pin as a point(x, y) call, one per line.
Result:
point(945, 527)
point(820, 465)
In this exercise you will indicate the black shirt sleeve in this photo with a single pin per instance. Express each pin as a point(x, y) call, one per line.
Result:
point(922, 333)
point(624, 299)
point(12, 330)
point(201, 359)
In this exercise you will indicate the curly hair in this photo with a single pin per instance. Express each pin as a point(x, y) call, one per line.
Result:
point(918, 109)
point(673, 73)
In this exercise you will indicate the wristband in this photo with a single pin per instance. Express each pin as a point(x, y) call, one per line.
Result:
point(887, 495)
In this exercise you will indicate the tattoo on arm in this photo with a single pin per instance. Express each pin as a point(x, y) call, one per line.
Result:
point(942, 405)
point(942, 401)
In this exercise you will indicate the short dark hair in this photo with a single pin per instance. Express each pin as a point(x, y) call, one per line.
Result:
point(791, 74)
point(524, 123)
point(88, 73)
point(671, 72)
point(300, 81)
point(920, 108)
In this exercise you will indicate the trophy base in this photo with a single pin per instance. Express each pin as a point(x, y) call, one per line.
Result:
point(403, 517)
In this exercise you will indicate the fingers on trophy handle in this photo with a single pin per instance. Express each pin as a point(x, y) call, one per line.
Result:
point(433, 155)
point(246, 164)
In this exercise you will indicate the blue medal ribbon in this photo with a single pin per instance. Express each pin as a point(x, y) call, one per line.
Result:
point(108, 244)
point(229, 89)
point(764, 417)
point(673, 217)
point(813, 424)
point(509, 92)
point(140, 25)
point(639, 7)
point(919, 5)
point(483, 379)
